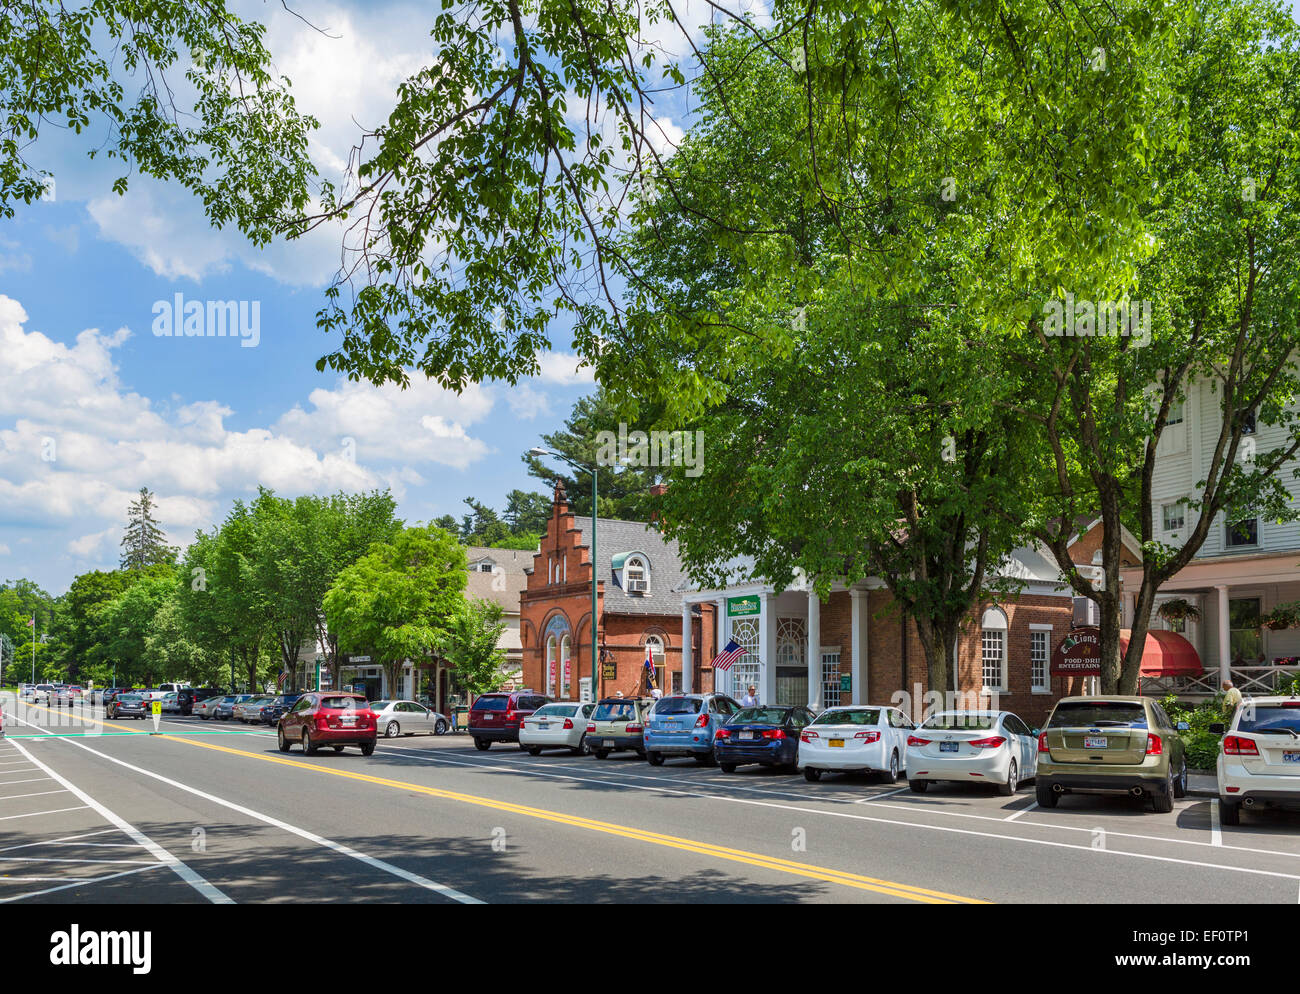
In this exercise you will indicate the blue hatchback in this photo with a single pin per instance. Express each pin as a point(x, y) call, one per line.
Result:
point(767, 735)
point(684, 725)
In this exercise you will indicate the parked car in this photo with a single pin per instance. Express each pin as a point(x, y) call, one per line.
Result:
point(26, 691)
point(495, 717)
point(407, 718)
point(618, 725)
point(225, 710)
point(993, 747)
point(1259, 757)
point(1113, 744)
point(171, 703)
point(768, 735)
point(249, 711)
point(206, 707)
point(66, 694)
point(126, 706)
point(562, 725)
point(277, 707)
point(685, 724)
point(857, 739)
point(42, 693)
point(328, 718)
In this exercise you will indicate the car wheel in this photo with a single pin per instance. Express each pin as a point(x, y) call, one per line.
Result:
point(534, 750)
point(727, 767)
point(308, 746)
point(1013, 781)
point(482, 745)
point(1180, 785)
point(655, 758)
point(281, 741)
point(392, 730)
point(1163, 803)
point(338, 748)
point(581, 747)
point(600, 753)
point(1229, 812)
point(811, 775)
point(440, 728)
point(918, 786)
point(367, 749)
point(891, 774)
point(1045, 796)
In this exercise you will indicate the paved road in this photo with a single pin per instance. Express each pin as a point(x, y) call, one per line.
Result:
point(94, 811)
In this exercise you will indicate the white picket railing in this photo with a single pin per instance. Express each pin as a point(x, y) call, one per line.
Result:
point(1250, 680)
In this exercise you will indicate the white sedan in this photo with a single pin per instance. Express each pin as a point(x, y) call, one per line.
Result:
point(394, 718)
point(866, 739)
point(1259, 757)
point(555, 726)
point(972, 747)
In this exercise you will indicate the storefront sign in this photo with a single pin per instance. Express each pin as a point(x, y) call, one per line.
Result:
point(609, 670)
point(1079, 653)
point(739, 607)
point(568, 675)
point(846, 683)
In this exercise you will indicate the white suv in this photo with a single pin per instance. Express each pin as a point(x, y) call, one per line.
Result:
point(1259, 758)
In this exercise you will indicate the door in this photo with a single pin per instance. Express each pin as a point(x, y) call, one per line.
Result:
point(899, 730)
point(1024, 745)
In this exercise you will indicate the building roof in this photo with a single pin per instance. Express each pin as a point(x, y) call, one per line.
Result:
point(510, 560)
point(501, 586)
point(615, 538)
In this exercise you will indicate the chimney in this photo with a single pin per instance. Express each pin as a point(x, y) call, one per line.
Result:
point(657, 490)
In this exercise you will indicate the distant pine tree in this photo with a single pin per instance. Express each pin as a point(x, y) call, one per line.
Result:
point(144, 544)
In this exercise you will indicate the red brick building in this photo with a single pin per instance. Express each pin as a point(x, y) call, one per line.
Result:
point(638, 605)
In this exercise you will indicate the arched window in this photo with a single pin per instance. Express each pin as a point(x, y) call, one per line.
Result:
point(564, 668)
point(993, 649)
point(550, 665)
point(655, 644)
point(636, 576)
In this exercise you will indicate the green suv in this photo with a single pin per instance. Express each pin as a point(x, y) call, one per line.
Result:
point(618, 725)
point(1122, 744)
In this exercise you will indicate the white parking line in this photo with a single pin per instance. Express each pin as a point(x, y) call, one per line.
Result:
point(75, 883)
point(888, 793)
point(63, 840)
point(35, 814)
point(302, 833)
point(1022, 811)
point(39, 793)
point(70, 859)
point(158, 852)
point(6, 783)
point(1216, 831)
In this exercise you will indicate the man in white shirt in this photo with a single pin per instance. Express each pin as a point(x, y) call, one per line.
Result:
point(750, 700)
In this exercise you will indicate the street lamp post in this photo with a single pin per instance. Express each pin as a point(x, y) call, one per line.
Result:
point(595, 656)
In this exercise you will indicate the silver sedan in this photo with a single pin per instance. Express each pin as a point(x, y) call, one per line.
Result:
point(407, 718)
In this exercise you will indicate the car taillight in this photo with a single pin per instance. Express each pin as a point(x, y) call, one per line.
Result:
point(591, 726)
point(722, 733)
point(916, 740)
point(1235, 745)
point(634, 728)
point(992, 742)
point(703, 720)
point(322, 721)
point(1155, 745)
point(807, 736)
point(1042, 742)
point(774, 733)
point(568, 724)
point(869, 736)
point(511, 716)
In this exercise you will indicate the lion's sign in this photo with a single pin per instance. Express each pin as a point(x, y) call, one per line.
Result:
point(1079, 653)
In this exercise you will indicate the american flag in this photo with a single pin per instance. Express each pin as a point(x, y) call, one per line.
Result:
point(284, 675)
point(31, 622)
point(733, 651)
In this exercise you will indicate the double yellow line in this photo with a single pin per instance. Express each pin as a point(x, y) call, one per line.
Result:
point(809, 871)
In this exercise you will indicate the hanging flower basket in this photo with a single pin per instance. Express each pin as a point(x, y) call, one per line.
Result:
point(1178, 609)
point(1283, 616)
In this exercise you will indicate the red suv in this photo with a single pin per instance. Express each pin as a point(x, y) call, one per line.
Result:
point(496, 717)
point(328, 718)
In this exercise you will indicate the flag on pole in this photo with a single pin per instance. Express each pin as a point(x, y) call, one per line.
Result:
point(650, 668)
point(728, 656)
point(31, 622)
point(279, 682)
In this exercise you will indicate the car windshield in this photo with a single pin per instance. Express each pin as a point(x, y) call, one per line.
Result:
point(130, 698)
point(555, 711)
point(1265, 719)
point(342, 703)
point(759, 716)
point(615, 712)
point(1098, 714)
point(678, 705)
point(497, 703)
point(958, 720)
point(868, 717)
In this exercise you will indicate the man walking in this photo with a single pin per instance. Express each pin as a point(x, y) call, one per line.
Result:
point(750, 700)
point(1231, 699)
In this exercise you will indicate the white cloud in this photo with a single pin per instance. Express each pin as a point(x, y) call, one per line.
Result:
point(564, 369)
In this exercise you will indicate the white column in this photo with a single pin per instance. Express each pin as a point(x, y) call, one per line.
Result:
point(1130, 609)
point(766, 652)
point(858, 640)
point(687, 667)
point(1225, 644)
point(721, 628)
point(814, 651)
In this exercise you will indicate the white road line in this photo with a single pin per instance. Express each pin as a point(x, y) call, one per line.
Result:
point(51, 890)
point(888, 793)
point(75, 880)
point(1022, 811)
point(69, 859)
point(338, 847)
point(1216, 831)
point(6, 783)
point(39, 793)
point(56, 811)
point(158, 852)
point(62, 840)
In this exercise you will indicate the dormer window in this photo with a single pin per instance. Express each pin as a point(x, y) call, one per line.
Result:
point(636, 576)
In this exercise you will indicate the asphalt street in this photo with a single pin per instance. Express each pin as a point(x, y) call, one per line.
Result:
point(105, 812)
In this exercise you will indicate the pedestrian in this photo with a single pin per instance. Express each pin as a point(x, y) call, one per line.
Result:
point(750, 700)
point(1231, 699)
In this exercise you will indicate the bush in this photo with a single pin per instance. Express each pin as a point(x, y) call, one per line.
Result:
point(1202, 750)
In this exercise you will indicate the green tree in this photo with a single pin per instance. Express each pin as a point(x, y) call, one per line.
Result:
point(78, 626)
point(128, 621)
point(394, 601)
point(145, 543)
point(469, 642)
point(228, 130)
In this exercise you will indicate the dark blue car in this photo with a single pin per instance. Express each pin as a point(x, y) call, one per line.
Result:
point(767, 735)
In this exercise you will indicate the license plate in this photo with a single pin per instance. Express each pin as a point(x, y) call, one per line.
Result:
point(745, 735)
point(349, 721)
point(543, 725)
point(1094, 742)
point(672, 726)
point(837, 743)
point(948, 746)
point(1291, 757)
point(609, 743)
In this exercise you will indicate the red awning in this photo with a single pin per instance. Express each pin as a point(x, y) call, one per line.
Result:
point(1165, 654)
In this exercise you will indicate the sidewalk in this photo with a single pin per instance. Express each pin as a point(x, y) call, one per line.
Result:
point(1202, 785)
